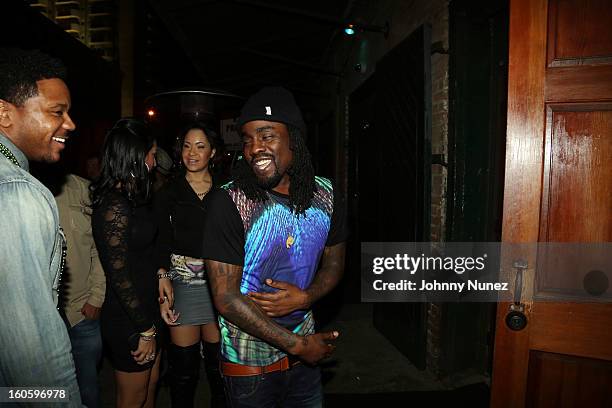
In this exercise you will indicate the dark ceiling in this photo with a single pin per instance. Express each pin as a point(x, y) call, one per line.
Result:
point(241, 45)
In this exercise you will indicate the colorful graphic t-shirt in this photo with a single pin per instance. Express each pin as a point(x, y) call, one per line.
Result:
point(269, 241)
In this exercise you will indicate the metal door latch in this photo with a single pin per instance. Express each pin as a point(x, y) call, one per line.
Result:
point(516, 319)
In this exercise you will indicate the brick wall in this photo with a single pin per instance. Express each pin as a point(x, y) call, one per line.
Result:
point(439, 146)
point(439, 141)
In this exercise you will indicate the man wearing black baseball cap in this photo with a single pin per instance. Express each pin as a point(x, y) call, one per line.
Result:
point(265, 234)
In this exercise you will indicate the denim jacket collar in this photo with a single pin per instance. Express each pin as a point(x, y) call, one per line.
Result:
point(21, 158)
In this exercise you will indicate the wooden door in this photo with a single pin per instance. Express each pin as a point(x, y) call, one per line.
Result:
point(558, 188)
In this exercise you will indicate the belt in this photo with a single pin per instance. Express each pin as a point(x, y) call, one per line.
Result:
point(239, 370)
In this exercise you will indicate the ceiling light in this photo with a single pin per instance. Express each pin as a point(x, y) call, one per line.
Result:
point(351, 29)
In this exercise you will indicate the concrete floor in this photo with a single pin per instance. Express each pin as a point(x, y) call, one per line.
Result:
point(365, 370)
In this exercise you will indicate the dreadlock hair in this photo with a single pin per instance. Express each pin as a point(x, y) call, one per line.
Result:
point(21, 70)
point(123, 162)
point(301, 173)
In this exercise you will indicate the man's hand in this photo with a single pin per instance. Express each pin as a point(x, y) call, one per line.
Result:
point(313, 348)
point(242, 311)
point(286, 300)
point(90, 312)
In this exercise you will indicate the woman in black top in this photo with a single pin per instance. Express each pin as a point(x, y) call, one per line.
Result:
point(124, 229)
point(185, 301)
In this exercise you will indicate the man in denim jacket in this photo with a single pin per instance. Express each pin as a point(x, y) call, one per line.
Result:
point(34, 125)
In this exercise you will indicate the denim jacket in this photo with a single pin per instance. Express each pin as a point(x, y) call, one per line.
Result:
point(34, 342)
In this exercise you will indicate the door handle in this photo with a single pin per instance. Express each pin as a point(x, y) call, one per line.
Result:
point(516, 319)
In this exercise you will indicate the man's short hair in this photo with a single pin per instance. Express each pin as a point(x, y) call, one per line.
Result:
point(21, 69)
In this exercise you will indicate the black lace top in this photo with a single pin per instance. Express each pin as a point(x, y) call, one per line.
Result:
point(125, 238)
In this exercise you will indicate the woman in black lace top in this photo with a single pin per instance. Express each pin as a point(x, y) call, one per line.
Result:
point(125, 230)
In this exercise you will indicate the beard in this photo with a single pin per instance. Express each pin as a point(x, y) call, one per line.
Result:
point(254, 187)
point(268, 183)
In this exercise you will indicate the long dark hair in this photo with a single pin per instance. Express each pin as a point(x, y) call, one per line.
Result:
point(301, 173)
point(123, 162)
point(214, 140)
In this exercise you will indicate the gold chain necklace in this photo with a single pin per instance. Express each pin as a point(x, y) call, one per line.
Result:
point(201, 195)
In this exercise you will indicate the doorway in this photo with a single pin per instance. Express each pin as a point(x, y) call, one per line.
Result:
point(390, 175)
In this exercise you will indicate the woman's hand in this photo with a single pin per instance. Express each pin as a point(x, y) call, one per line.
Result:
point(169, 315)
point(166, 291)
point(145, 353)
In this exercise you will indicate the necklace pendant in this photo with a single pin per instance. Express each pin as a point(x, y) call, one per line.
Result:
point(290, 241)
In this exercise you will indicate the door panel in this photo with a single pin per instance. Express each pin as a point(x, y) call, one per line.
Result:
point(558, 188)
point(578, 175)
point(574, 37)
point(558, 381)
point(569, 84)
point(570, 328)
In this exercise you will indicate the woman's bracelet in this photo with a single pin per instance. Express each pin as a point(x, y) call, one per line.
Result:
point(149, 335)
point(165, 275)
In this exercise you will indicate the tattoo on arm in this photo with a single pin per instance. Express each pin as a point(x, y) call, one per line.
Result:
point(328, 276)
point(234, 306)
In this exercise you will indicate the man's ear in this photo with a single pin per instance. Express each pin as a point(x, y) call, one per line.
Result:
point(5, 114)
